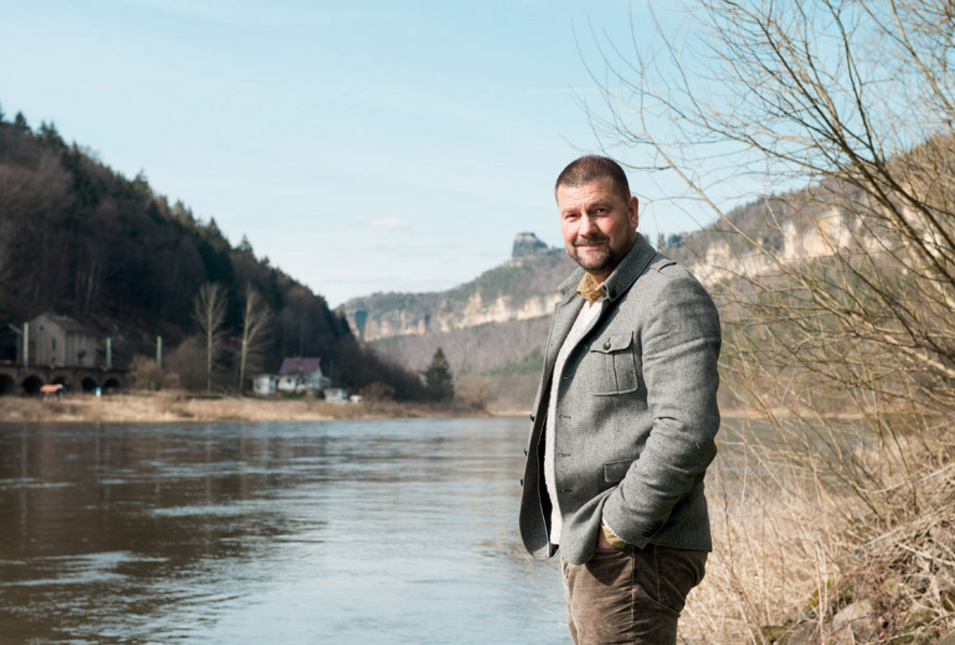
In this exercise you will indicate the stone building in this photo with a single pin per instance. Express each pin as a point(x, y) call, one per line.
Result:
point(61, 340)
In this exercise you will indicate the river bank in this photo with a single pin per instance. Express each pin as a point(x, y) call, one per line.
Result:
point(167, 406)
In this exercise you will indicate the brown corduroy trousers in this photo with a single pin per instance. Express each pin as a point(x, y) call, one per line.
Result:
point(631, 596)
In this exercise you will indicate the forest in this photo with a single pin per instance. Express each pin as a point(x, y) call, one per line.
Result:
point(79, 239)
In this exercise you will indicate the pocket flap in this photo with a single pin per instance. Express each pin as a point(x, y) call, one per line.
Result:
point(615, 471)
point(612, 343)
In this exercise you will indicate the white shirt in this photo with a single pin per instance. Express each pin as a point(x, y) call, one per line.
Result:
point(588, 313)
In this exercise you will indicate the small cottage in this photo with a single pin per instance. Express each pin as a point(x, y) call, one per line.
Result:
point(302, 375)
point(264, 384)
point(335, 394)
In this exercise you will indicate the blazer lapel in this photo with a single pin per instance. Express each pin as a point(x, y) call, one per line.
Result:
point(564, 316)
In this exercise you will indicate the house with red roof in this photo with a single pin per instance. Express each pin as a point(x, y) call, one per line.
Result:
point(302, 375)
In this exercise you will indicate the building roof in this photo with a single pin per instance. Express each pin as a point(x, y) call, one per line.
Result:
point(299, 364)
point(67, 324)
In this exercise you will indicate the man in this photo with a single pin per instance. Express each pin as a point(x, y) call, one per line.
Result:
point(624, 421)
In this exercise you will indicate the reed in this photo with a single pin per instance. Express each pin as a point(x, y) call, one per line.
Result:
point(802, 557)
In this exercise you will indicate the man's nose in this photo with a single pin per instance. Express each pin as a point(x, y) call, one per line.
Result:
point(587, 226)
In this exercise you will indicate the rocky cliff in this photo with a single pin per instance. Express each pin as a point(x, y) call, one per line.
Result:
point(521, 289)
point(527, 244)
point(524, 288)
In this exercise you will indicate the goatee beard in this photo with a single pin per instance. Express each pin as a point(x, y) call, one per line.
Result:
point(604, 260)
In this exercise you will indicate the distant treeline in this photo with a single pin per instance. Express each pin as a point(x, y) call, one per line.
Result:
point(80, 239)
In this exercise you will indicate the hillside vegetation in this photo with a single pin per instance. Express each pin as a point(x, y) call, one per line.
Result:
point(491, 329)
point(79, 239)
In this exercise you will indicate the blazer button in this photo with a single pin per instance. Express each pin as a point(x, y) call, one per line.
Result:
point(522, 483)
point(607, 344)
point(525, 452)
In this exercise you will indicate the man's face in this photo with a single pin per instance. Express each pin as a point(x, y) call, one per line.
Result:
point(599, 226)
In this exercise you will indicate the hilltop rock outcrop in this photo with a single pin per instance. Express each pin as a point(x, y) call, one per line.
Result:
point(527, 244)
point(522, 288)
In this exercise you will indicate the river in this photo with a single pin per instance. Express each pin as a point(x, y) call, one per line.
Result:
point(331, 532)
point(338, 532)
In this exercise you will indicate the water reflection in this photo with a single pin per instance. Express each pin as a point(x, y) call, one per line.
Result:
point(337, 532)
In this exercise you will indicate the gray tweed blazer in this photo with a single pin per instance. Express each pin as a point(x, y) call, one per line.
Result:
point(636, 414)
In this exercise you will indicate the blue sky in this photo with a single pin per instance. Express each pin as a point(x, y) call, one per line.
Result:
point(362, 146)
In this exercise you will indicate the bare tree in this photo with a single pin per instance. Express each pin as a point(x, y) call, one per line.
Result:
point(255, 320)
point(854, 100)
point(839, 297)
point(209, 313)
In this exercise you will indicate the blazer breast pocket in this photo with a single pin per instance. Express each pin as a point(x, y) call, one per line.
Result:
point(615, 365)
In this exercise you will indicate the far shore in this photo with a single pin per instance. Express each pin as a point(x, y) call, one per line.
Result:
point(175, 406)
point(180, 406)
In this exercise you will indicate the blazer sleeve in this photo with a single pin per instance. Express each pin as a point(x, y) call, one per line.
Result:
point(680, 346)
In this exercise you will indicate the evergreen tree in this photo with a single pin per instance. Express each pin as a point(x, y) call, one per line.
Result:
point(50, 136)
point(438, 378)
point(20, 122)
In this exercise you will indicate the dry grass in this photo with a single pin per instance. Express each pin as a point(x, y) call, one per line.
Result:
point(790, 554)
point(177, 406)
point(773, 550)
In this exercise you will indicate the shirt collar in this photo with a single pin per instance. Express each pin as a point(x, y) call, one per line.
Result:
point(633, 265)
point(590, 290)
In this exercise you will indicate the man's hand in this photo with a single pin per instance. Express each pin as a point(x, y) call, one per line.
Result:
point(607, 539)
point(602, 541)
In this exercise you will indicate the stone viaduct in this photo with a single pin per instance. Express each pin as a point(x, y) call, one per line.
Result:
point(16, 378)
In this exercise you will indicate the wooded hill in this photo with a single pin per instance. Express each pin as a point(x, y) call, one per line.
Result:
point(79, 239)
point(491, 328)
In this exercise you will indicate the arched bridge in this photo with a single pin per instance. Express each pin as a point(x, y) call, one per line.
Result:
point(19, 379)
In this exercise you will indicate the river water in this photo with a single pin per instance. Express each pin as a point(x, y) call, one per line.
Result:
point(331, 532)
point(351, 532)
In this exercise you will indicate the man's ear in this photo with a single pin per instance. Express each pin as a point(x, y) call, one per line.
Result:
point(633, 208)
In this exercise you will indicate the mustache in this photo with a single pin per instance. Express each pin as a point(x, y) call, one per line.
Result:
point(597, 239)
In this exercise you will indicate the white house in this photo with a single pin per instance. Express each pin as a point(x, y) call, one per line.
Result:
point(335, 394)
point(302, 375)
point(264, 384)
